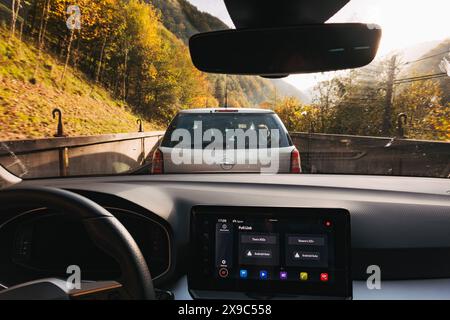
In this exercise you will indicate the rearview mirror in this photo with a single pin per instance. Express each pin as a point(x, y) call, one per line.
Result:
point(278, 52)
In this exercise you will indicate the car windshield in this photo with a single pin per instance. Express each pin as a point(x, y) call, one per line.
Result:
point(99, 87)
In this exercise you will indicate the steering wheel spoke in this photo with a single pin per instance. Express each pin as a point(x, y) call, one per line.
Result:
point(59, 289)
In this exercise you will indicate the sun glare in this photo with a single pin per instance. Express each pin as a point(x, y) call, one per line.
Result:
point(404, 22)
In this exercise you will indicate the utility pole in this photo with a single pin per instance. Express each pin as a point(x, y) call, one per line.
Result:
point(387, 118)
point(275, 104)
point(226, 91)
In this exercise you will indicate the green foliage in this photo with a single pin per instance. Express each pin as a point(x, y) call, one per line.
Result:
point(428, 115)
point(296, 116)
point(352, 104)
point(25, 108)
point(123, 46)
point(184, 20)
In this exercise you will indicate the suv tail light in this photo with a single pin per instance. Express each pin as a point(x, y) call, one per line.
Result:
point(295, 162)
point(158, 162)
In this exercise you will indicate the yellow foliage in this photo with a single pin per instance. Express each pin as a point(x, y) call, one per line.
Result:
point(428, 117)
point(297, 117)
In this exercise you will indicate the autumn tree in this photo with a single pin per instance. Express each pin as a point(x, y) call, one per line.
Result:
point(427, 114)
point(123, 46)
point(297, 117)
point(439, 120)
point(327, 96)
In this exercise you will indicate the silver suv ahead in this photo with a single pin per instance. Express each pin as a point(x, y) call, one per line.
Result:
point(226, 141)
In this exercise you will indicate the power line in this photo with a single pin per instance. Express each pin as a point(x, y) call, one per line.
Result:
point(425, 58)
point(373, 69)
point(421, 78)
point(406, 82)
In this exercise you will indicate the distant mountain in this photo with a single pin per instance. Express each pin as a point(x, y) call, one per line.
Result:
point(287, 89)
point(184, 20)
point(428, 63)
point(421, 59)
point(416, 51)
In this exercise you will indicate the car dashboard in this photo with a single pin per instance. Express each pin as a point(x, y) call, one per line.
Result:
point(398, 224)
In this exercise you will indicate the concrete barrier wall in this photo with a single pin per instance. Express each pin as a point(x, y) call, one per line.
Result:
point(321, 153)
point(77, 156)
point(343, 154)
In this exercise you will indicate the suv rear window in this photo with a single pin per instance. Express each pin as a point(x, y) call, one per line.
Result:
point(225, 122)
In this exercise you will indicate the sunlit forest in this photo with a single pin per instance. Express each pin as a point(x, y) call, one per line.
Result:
point(129, 60)
point(383, 99)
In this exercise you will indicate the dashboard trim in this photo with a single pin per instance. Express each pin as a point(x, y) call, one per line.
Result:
point(169, 267)
point(36, 210)
point(21, 215)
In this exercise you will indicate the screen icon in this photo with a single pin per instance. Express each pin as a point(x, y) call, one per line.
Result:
point(243, 273)
point(223, 272)
point(324, 277)
point(304, 276)
point(263, 275)
point(283, 275)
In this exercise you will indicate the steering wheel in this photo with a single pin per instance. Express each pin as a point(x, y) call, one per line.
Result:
point(105, 231)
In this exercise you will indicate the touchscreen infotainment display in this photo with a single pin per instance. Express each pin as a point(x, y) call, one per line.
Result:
point(271, 251)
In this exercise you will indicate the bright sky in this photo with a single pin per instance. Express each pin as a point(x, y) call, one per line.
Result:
point(404, 23)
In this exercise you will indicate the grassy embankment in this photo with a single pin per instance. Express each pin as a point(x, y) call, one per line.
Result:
point(26, 108)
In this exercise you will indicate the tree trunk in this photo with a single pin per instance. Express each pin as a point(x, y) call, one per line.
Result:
point(69, 47)
point(99, 65)
point(62, 47)
point(15, 8)
point(124, 82)
point(100, 62)
point(41, 26)
point(116, 84)
point(76, 56)
point(41, 36)
point(13, 17)
point(33, 19)
point(46, 16)
point(21, 29)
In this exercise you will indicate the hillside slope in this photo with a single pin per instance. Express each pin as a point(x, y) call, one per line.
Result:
point(184, 20)
point(428, 64)
point(25, 108)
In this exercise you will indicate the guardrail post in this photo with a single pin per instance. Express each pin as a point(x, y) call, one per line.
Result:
point(60, 129)
point(63, 162)
point(401, 121)
point(63, 153)
point(141, 127)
